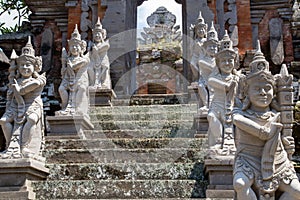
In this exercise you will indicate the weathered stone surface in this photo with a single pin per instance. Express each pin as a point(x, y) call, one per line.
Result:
point(119, 189)
point(153, 155)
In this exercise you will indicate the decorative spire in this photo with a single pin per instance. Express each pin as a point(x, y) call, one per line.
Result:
point(200, 21)
point(13, 55)
point(226, 48)
point(226, 42)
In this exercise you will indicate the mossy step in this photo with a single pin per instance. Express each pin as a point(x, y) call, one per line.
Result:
point(153, 124)
point(143, 116)
point(125, 143)
point(153, 155)
point(146, 109)
point(114, 189)
point(172, 132)
point(134, 133)
point(126, 171)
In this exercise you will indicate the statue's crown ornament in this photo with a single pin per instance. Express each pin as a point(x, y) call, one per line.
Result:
point(28, 49)
point(259, 67)
point(98, 26)
point(75, 36)
point(212, 36)
point(226, 48)
point(200, 21)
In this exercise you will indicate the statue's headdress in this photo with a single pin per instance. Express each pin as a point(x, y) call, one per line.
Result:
point(76, 39)
point(226, 48)
point(200, 22)
point(259, 67)
point(212, 36)
point(98, 28)
point(28, 54)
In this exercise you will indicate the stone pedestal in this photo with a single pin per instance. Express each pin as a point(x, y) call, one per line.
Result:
point(200, 125)
point(101, 96)
point(16, 176)
point(220, 176)
point(68, 125)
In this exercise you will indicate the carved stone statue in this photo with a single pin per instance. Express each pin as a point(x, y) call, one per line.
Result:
point(206, 65)
point(98, 68)
point(73, 88)
point(262, 165)
point(199, 36)
point(22, 122)
point(223, 81)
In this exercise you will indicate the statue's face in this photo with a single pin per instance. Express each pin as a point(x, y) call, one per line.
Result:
point(201, 31)
point(260, 93)
point(98, 36)
point(212, 49)
point(75, 49)
point(226, 64)
point(26, 69)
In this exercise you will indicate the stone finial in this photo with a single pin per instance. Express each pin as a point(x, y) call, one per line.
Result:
point(13, 55)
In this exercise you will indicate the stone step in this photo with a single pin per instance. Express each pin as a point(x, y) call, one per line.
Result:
point(126, 171)
point(154, 124)
point(125, 143)
point(153, 155)
point(135, 133)
point(122, 189)
point(145, 109)
point(143, 116)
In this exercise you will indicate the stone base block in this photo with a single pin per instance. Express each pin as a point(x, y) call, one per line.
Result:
point(68, 125)
point(200, 125)
point(16, 176)
point(220, 177)
point(101, 96)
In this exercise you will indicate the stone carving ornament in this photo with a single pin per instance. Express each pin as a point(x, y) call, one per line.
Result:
point(74, 84)
point(98, 68)
point(223, 81)
point(262, 165)
point(22, 122)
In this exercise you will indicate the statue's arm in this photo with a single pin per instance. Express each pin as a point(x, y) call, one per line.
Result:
point(214, 82)
point(40, 81)
point(80, 64)
point(264, 132)
point(205, 65)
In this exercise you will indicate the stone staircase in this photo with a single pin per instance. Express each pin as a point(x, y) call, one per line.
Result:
point(135, 152)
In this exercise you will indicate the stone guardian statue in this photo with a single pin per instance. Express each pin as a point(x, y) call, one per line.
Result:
point(22, 122)
point(99, 67)
point(73, 88)
point(262, 168)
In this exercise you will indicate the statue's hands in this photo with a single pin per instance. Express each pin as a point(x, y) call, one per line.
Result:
point(42, 79)
point(266, 133)
point(289, 145)
point(15, 86)
point(230, 85)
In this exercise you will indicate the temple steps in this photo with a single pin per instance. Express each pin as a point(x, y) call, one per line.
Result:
point(142, 155)
point(120, 143)
point(134, 152)
point(117, 189)
point(126, 171)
